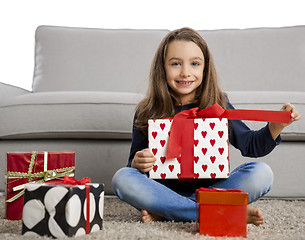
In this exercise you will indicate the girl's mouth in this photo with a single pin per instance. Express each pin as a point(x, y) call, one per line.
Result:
point(185, 83)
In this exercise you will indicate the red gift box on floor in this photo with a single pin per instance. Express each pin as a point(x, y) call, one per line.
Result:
point(24, 167)
point(222, 212)
point(208, 153)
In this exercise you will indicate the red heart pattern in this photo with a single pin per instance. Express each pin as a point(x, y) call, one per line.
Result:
point(204, 133)
point(221, 150)
point(204, 167)
point(210, 159)
point(171, 167)
point(163, 175)
point(220, 133)
point(212, 125)
point(154, 150)
point(221, 167)
point(154, 134)
point(204, 150)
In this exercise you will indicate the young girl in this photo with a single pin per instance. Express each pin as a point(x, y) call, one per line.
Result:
point(183, 76)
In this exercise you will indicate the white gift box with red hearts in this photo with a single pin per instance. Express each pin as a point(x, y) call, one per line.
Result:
point(211, 149)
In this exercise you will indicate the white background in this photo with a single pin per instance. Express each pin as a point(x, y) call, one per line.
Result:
point(19, 19)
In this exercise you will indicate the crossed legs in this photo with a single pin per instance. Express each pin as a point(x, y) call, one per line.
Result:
point(157, 201)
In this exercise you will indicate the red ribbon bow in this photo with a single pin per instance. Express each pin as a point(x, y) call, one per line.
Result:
point(73, 181)
point(182, 130)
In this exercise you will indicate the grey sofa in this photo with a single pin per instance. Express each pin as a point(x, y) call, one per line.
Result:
point(87, 83)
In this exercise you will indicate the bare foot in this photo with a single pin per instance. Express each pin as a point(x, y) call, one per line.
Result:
point(254, 216)
point(148, 217)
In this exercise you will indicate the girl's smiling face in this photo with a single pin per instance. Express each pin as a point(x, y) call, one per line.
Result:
point(184, 65)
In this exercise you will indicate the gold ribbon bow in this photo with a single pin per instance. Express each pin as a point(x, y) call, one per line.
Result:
point(45, 176)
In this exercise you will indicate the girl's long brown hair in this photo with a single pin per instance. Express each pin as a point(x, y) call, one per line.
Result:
point(160, 99)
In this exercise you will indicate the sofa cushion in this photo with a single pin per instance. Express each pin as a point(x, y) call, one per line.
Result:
point(103, 115)
point(82, 59)
point(259, 59)
point(272, 101)
point(9, 91)
point(106, 115)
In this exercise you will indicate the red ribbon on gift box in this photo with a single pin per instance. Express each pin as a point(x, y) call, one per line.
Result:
point(73, 181)
point(183, 125)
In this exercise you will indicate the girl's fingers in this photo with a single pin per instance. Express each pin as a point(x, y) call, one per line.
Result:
point(294, 114)
point(145, 153)
point(145, 167)
point(297, 118)
point(146, 159)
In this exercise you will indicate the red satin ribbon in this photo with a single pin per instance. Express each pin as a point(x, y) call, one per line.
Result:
point(88, 209)
point(182, 130)
point(217, 111)
point(73, 181)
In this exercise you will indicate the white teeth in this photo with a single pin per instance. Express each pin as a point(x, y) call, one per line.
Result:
point(184, 83)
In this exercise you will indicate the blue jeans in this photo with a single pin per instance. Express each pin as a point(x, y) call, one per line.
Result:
point(175, 199)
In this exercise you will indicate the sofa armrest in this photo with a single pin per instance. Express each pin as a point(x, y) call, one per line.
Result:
point(8, 92)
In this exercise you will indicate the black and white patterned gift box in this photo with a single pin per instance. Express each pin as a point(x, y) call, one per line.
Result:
point(61, 210)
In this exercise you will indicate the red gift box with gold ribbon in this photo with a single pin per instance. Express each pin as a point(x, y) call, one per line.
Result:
point(222, 212)
point(194, 144)
point(25, 167)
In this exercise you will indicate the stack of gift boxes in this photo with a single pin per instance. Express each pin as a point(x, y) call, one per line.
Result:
point(200, 150)
point(40, 193)
point(194, 144)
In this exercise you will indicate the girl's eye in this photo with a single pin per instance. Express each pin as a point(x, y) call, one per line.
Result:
point(175, 64)
point(195, 64)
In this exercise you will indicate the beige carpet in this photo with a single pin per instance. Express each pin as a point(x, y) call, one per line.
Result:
point(283, 220)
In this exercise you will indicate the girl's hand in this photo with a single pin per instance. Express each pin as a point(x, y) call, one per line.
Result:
point(143, 160)
point(276, 128)
point(294, 114)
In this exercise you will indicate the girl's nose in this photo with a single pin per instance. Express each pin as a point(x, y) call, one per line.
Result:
point(185, 72)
